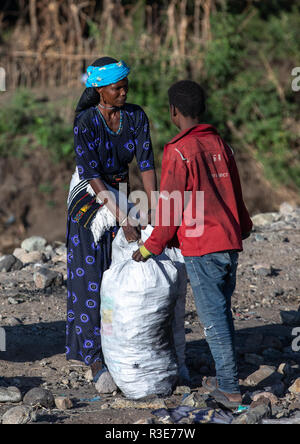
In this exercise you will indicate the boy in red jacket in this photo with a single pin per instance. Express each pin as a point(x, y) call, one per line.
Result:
point(201, 211)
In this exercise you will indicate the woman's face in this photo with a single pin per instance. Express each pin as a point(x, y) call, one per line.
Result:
point(114, 94)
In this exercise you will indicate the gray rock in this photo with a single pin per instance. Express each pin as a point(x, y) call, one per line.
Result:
point(61, 250)
point(285, 369)
point(39, 396)
point(19, 415)
point(270, 396)
point(28, 258)
point(63, 403)
point(10, 263)
point(195, 400)
point(34, 243)
point(281, 225)
point(295, 387)
point(259, 237)
point(263, 219)
point(12, 301)
point(49, 252)
point(286, 208)
point(262, 269)
point(105, 384)
point(10, 394)
point(254, 415)
point(278, 389)
point(182, 389)
point(44, 277)
point(266, 375)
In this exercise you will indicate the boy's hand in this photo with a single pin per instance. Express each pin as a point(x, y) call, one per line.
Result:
point(138, 257)
point(141, 255)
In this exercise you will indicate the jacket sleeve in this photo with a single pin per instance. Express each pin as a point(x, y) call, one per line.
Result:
point(169, 211)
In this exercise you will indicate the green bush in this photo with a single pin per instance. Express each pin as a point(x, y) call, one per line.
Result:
point(29, 122)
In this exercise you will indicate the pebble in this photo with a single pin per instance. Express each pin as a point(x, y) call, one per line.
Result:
point(10, 394)
point(63, 403)
point(285, 369)
point(182, 389)
point(263, 400)
point(12, 301)
point(105, 384)
point(89, 376)
point(39, 396)
point(19, 415)
point(295, 387)
point(262, 269)
point(195, 400)
point(270, 396)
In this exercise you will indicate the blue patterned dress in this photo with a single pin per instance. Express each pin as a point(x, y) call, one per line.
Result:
point(100, 153)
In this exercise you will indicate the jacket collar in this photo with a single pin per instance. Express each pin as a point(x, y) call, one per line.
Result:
point(200, 130)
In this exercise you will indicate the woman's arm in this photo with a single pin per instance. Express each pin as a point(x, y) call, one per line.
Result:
point(100, 189)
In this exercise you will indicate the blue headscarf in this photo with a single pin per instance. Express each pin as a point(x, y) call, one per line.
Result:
point(106, 75)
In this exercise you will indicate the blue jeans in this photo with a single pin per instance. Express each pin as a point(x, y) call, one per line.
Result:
point(213, 279)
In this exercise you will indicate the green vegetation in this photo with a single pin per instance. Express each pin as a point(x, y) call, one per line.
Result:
point(29, 122)
point(249, 83)
point(245, 68)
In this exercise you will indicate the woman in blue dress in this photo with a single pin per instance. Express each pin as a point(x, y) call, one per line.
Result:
point(108, 134)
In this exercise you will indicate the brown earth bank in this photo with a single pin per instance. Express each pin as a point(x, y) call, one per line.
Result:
point(267, 320)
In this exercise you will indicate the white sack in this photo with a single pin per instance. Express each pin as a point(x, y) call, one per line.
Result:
point(137, 307)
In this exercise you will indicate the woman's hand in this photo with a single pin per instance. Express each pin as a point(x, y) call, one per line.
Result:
point(131, 233)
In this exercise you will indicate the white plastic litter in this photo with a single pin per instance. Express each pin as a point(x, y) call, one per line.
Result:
point(138, 301)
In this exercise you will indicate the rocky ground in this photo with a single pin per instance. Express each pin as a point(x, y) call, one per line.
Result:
point(37, 385)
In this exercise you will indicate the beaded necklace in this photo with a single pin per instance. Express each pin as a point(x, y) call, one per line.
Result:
point(113, 133)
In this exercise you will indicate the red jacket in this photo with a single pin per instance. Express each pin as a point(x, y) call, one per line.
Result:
point(196, 160)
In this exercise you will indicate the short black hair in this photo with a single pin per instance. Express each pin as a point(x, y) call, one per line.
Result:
point(189, 97)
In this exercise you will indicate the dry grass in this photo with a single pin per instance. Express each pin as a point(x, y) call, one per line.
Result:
point(53, 41)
